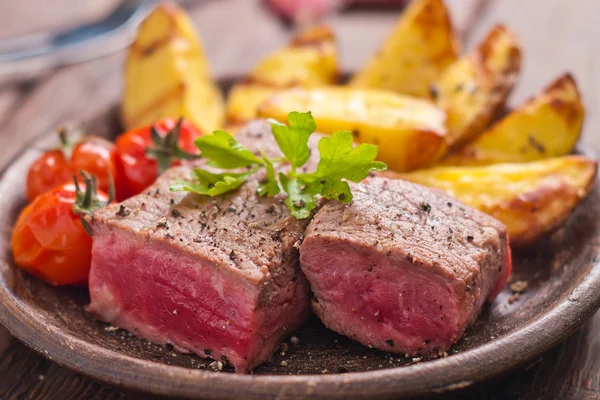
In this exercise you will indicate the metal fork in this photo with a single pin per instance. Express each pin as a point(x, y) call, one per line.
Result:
point(24, 56)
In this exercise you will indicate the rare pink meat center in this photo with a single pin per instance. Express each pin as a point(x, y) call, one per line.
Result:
point(400, 307)
point(152, 293)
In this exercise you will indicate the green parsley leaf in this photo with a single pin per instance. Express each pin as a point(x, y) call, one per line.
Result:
point(270, 187)
point(293, 138)
point(302, 196)
point(212, 184)
point(336, 190)
point(223, 151)
point(339, 163)
point(181, 185)
point(339, 160)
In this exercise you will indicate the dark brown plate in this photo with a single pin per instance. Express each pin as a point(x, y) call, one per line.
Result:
point(563, 273)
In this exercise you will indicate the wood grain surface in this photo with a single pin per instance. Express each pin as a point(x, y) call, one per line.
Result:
point(557, 35)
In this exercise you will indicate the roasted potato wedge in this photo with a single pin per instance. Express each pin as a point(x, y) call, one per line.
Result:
point(167, 74)
point(474, 89)
point(409, 131)
point(420, 47)
point(531, 199)
point(546, 126)
point(310, 60)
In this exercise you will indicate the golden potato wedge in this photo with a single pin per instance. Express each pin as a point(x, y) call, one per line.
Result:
point(310, 60)
point(474, 89)
point(420, 47)
point(546, 126)
point(167, 74)
point(531, 199)
point(409, 131)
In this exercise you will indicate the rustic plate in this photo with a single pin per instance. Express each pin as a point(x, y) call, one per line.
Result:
point(563, 273)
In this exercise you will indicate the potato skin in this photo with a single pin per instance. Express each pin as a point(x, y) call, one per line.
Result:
point(409, 131)
point(531, 199)
point(310, 60)
point(167, 74)
point(546, 126)
point(420, 47)
point(473, 90)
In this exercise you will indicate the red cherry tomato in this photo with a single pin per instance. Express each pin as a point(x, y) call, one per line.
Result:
point(49, 240)
point(138, 171)
point(93, 154)
point(47, 172)
point(96, 156)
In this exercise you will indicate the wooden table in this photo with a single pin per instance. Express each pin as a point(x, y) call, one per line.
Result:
point(557, 35)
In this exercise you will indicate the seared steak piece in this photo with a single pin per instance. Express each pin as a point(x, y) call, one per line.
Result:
point(216, 276)
point(402, 268)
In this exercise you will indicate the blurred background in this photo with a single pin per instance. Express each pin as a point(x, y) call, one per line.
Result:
point(266, 24)
point(65, 13)
point(557, 35)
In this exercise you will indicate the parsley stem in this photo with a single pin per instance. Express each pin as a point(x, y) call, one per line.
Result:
point(279, 160)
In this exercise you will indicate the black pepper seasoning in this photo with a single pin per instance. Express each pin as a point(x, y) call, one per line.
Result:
point(123, 211)
point(426, 207)
point(162, 223)
point(433, 92)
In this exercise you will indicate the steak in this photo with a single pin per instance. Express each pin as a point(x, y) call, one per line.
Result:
point(219, 277)
point(402, 268)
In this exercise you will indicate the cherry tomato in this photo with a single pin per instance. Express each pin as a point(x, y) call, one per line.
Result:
point(93, 154)
point(96, 156)
point(49, 240)
point(47, 172)
point(138, 171)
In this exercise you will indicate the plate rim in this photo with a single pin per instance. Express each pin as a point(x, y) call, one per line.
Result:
point(435, 376)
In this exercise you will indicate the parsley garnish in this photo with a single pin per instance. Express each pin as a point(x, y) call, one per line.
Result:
point(339, 163)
